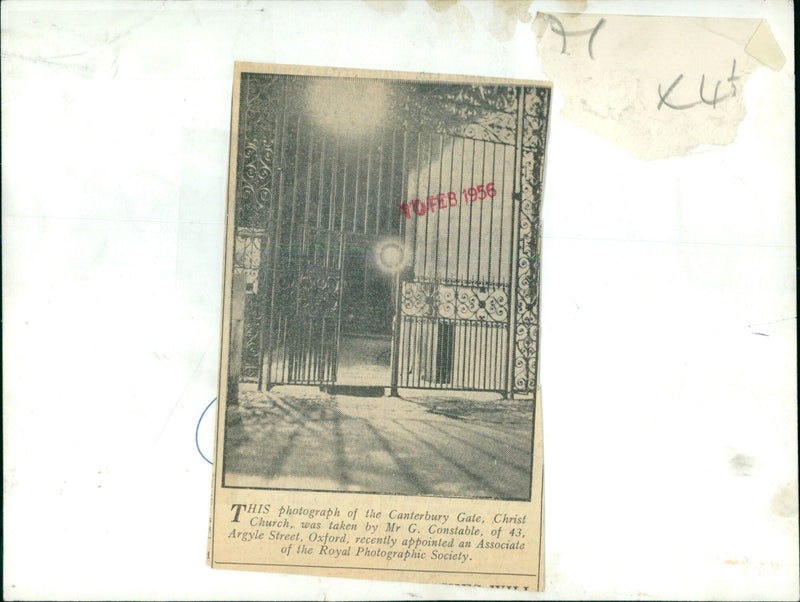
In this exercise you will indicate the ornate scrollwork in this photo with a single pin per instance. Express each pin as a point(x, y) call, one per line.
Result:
point(487, 303)
point(446, 300)
point(259, 103)
point(317, 292)
point(255, 186)
point(493, 127)
point(482, 303)
point(247, 253)
point(418, 299)
point(255, 167)
point(251, 348)
point(480, 112)
point(526, 331)
point(537, 102)
point(254, 192)
point(307, 292)
point(455, 103)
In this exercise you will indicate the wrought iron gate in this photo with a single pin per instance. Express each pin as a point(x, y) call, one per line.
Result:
point(454, 309)
point(303, 331)
point(458, 187)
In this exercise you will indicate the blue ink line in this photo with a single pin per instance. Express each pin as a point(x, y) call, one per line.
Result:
point(197, 432)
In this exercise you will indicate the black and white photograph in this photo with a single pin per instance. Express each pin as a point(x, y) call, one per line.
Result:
point(383, 285)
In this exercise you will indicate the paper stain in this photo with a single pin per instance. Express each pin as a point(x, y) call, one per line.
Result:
point(742, 465)
point(506, 15)
point(440, 5)
point(657, 87)
point(453, 13)
point(737, 561)
point(395, 7)
point(785, 500)
point(579, 6)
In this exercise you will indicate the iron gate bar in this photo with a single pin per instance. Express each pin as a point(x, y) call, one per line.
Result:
point(396, 319)
point(517, 199)
point(493, 372)
point(358, 179)
point(423, 223)
point(481, 336)
point(418, 225)
point(307, 204)
point(490, 205)
point(291, 258)
point(344, 188)
point(372, 141)
point(438, 211)
point(424, 201)
point(450, 212)
point(279, 218)
point(321, 194)
point(491, 212)
point(415, 222)
point(474, 335)
point(461, 209)
point(424, 327)
point(468, 332)
point(391, 196)
point(310, 367)
point(370, 144)
point(332, 196)
point(502, 213)
point(276, 227)
point(473, 356)
point(481, 206)
point(484, 332)
point(471, 208)
point(333, 364)
point(416, 234)
point(502, 195)
point(378, 195)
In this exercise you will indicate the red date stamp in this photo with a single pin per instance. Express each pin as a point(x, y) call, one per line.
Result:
point(445, 200)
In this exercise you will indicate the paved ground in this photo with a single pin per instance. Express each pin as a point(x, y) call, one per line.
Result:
point(470, 445)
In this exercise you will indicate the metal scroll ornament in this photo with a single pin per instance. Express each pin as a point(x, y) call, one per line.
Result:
point(254, 194)
point(251, 348)
point(257, 136)
point(455, 302)
point(317, 292)
point(478, 112)
point(255, 186)
point(526, 330)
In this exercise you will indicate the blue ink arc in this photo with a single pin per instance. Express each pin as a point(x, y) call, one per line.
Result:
point(197, 432)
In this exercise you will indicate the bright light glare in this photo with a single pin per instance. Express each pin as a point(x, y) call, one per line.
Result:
point(348, 107)
point(391, 256)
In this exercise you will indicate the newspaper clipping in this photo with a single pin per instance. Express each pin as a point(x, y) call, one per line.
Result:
point(377, 412)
